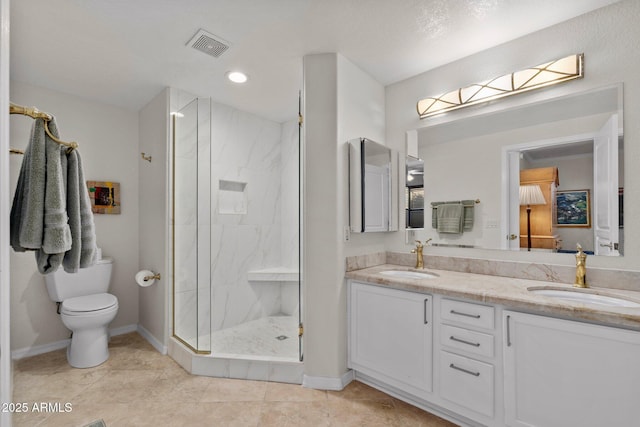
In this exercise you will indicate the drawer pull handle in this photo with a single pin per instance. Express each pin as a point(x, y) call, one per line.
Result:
point(475, 344)
point(466, 371)
point(475, 316)
point(426, 300)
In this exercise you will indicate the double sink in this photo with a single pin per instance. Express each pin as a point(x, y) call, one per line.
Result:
point(585, 296)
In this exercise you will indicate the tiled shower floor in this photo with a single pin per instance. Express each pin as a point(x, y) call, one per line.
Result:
point(139, 387)
point(274, 338)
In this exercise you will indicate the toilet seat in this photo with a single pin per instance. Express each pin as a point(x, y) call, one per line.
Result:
point(88, 304)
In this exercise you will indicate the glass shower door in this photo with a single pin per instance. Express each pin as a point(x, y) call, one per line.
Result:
point(191, 225)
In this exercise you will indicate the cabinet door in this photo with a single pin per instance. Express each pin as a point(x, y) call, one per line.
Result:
point(564, 373)
point(391, 336)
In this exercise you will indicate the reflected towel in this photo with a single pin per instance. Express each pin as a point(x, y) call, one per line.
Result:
point(450, 218)
point(468, 214)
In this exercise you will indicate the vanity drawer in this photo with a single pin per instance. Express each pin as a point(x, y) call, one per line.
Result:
point(467, 382)
point(466, 313)
point(467, 340)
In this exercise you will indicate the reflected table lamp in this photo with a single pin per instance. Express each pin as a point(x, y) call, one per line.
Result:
point(530, 195)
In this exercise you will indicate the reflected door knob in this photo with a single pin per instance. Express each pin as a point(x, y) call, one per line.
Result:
point(513, 236)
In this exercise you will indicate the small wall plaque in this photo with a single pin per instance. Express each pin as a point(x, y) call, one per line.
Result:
point(105, 197)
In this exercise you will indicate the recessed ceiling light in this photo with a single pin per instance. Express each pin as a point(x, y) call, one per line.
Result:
point(237, 76)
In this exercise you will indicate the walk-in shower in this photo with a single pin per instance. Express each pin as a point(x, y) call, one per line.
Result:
point(236, 232)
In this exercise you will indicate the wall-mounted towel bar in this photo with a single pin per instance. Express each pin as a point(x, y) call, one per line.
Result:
point(34, 113)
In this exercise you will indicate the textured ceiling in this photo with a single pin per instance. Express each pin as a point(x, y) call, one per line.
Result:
point(123, 52)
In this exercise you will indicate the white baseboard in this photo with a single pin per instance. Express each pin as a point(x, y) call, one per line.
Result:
point(152, 340)
point(328, 383)
point(123, 330)
point(21, 353)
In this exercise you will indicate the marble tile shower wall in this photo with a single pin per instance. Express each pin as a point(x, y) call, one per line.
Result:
point(250, 151)
point(290, 195)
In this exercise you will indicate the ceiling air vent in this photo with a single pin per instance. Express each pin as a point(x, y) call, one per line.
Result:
point(208, 43)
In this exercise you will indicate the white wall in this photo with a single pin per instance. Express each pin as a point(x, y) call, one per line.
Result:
point(108, 140)
point(5, 289)
point(341, 102)
point(153, 223)
point(608, 37)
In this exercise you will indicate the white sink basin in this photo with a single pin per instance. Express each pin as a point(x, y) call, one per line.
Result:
point(409, 274)
point(584, 297)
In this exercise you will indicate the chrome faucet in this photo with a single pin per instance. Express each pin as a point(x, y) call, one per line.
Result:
point(418, 252)
point(581, 269)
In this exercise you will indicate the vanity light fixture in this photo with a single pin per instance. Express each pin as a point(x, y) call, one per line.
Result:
point(550, 73)
point(237, 76)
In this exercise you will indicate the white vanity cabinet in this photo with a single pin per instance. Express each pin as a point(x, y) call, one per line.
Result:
point(391, 336)
point(486, 365)
point(467, 358)
point(566, 373)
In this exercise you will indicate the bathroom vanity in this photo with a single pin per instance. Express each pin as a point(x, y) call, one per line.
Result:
point(490, 351)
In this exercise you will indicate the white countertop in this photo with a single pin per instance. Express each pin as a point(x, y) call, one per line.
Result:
point(509, 292)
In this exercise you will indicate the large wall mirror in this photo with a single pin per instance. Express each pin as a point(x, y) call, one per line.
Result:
point(373, 170)
point(570, 147)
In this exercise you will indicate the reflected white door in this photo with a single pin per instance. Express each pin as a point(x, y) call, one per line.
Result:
point(376, 198)
point(605, 189)
point(513, 201)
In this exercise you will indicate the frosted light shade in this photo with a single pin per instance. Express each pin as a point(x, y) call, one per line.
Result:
point(553, 72)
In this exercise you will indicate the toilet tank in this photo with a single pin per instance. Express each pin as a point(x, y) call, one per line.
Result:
point(87, 281)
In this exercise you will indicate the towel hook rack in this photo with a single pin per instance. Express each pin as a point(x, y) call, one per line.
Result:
point(34, 113)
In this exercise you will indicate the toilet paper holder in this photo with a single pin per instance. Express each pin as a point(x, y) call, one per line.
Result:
point(155, 276)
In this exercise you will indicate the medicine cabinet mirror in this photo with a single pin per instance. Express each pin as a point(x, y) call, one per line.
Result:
point(373, 193)
point(414, 192)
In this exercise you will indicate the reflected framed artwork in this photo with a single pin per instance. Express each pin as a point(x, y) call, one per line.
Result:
point(573, 208)
point(105, 197)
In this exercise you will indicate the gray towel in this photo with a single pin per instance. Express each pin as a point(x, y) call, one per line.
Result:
point(39, 216)
point(56, 234)
point(27, 210)
point(51, 210)
point(83, 250)
point(468, 214)
point(450, 218)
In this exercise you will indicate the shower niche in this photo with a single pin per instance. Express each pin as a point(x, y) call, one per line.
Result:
point(236, 234)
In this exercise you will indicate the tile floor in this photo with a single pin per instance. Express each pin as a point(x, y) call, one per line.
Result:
point(138, 386)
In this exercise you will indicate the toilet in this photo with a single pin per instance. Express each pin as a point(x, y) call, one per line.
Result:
point(86, 309)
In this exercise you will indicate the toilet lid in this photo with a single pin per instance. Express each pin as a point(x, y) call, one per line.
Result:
point(89, 303)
